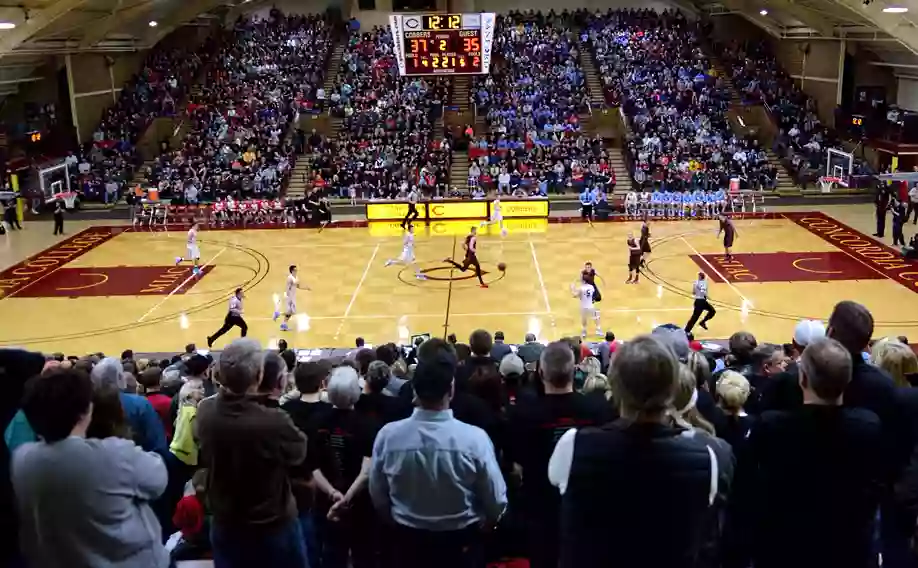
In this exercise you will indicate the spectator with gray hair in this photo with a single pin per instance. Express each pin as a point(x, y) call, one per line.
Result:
point(530, 351)
point(255, 518)
point(145, 424)
point(343, 445)
point(535, 424)
point(602, 473)
point(375, 403)
point(812, 492)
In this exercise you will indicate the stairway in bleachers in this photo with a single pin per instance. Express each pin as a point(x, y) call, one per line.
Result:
point(462, 87)
point(785, 181)
point(459, 161)
point(302, 170)
point(598, 103)
point(334, 65)
point(593, 81)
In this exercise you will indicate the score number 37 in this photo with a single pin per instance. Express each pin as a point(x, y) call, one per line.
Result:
point(469, 45)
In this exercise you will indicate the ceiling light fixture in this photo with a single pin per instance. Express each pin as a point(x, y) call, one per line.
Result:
point(153, 23)
point(895, 9)
point(763, 11)
point(7, 25)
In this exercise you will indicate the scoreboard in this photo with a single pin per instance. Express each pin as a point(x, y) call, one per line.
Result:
point(434, 44)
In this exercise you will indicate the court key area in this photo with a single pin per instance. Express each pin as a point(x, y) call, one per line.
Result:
point(113, 288)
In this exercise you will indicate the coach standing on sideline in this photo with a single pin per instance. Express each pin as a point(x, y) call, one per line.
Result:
point(700, 292)
point(233, 318)
point(436, 478)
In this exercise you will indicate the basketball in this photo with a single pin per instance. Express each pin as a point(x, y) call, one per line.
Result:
point(502, 267)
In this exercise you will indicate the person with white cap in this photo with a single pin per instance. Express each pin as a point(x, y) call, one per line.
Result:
point(806, 332)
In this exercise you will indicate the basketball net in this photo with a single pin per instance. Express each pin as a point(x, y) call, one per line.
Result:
point(68, 197)
point(827, 183)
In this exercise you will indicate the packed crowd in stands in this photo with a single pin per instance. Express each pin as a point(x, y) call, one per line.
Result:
point(531, 101)
point(266, 72)
point(388, 142)
point(102, 169)
point(652, 63)
point(802, 139)
point(656, 451)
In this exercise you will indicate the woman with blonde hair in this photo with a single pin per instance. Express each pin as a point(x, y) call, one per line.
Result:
point(732, 391)
point(684, 408)
point(896, 359)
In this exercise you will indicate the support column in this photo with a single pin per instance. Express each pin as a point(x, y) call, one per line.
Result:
point(840, 85)
point(70, 91)
point(111, 80)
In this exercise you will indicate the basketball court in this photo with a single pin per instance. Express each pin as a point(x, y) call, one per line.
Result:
point(110, 288)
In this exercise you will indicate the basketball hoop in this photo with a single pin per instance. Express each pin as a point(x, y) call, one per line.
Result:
point(827, 183)
point(68, 197)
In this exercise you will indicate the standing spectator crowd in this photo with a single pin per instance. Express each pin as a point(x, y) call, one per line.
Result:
point(651, 451)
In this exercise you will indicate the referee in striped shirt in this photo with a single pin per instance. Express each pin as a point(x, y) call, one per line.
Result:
point(700, 292)
point(233, 318)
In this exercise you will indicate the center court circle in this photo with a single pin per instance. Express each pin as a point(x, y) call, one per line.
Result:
point(441, 275)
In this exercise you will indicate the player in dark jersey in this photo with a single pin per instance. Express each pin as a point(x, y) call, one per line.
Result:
point(644, 241)
point(634, 260)
point(589, 276)
point(729, 231)
point(471, 256)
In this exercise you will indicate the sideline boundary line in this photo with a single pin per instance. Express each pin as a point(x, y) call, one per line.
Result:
point(180, 286)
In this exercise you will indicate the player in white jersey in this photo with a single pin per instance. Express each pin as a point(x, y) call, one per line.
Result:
point(497, 218)
point(293, 284)
point(193, 253)
point(407, 256)
point(585, 291)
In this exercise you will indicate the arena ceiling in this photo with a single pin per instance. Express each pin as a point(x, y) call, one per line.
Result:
point(878, 26)
point(33, 31)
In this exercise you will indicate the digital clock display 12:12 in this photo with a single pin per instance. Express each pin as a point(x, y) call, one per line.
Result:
point(442, 52)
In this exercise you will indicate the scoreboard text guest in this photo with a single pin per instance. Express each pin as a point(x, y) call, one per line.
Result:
point(434, 44)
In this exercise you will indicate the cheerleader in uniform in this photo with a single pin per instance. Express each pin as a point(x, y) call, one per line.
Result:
point(645, 242)
point(634, 260)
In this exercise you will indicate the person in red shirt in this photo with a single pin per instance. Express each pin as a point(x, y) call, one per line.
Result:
point(150, 379)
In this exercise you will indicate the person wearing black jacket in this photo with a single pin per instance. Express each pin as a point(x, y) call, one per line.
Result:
point(307, 412)
point(58, 217)
point(638, 492)
point(898, 221)
point(481, 344)
point(535, 424)
point(811, 495)
point(16, 367)
point(343, 444)
point(376, 404)
point(881, 203)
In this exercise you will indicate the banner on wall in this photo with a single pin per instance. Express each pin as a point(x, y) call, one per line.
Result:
point(457, 210)
point(387, 211)
point(441, 210)
point(524, 208)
